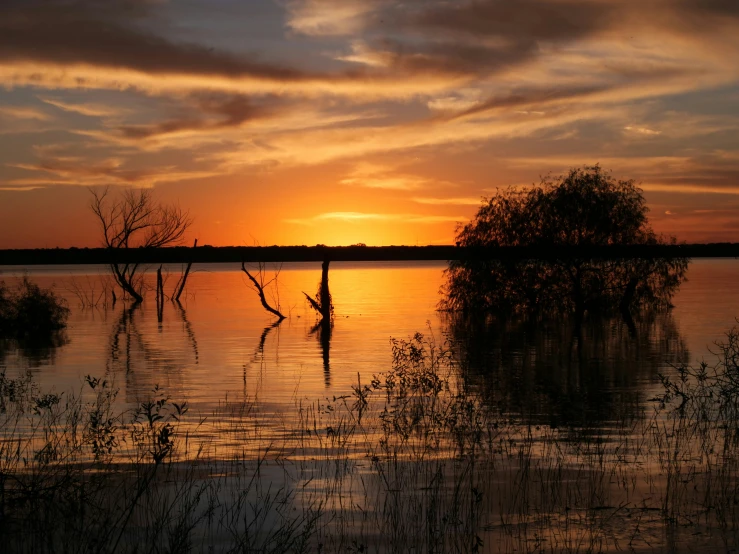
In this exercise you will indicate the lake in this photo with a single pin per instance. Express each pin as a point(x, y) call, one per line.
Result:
point(543, 381)
point(222, 343)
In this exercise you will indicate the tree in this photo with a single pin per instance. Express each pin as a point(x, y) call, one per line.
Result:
point(135, 219)
point(585, 208)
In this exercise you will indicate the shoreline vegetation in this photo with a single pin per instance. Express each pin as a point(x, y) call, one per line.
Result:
point(354, 253)
point(414, 460)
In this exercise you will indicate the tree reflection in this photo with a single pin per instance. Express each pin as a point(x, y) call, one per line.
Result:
point(33, 352)
point(558, 372)
point(145, 361)
point(258, 356)
point(323, 330)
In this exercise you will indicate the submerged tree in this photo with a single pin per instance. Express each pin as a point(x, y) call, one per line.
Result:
point(585, 208)
point(135, 219)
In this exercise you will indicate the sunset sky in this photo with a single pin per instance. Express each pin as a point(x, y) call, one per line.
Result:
point(375, 121)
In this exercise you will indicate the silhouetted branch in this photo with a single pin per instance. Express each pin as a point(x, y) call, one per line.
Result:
point(180, 286)
point(260, 291)
point(316, 306)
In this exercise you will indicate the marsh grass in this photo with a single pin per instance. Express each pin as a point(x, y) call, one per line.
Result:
point(412, 460)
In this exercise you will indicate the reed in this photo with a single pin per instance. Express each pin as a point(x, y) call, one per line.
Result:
point(412, 460)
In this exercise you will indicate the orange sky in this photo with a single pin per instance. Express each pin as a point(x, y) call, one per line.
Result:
point(375, 121)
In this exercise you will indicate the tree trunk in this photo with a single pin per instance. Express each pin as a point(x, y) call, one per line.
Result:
point(322, 303)
point(123, 281)
point(325, 294)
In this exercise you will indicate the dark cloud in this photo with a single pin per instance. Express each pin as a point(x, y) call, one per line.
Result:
point(721, 8)
point(103, 35)
point(465, 38)
point(480, 37)
point(213, 111)
point(477, 37)
point(452, 58)
point(517, 21)
point(526, 98)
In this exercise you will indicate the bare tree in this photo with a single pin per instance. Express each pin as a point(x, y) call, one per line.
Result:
point(135, 219)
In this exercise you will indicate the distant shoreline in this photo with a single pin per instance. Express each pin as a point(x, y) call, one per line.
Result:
point(252, 254)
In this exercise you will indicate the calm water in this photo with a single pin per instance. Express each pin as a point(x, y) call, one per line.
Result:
point(222, 344)
point(570, 458)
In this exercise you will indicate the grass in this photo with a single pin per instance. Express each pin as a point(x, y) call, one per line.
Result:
point(411, 461)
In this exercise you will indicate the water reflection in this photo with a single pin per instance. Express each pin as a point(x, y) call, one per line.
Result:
point(556, 372)
point(323, 330)
point(147, 359)
point(258, 356)
point(32, 353)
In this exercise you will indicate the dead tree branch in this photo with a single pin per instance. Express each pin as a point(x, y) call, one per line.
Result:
point(259, 286)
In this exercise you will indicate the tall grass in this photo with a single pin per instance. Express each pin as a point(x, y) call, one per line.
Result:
point(412, 460)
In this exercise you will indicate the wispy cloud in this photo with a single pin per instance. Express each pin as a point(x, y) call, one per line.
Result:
point(467, 201)
point(78, 171)
point(364, 217)
point(23, 112)
point(641, 131)
point(88, 109)
point(321, 18)
point(376, 176)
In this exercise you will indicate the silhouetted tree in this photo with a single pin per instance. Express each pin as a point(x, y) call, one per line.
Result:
point(135, 219)
point(585, 208)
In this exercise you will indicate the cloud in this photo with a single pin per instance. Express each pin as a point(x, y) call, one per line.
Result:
point(23, 112)
point(517, 22)
point(87, 108)
point(80, 33)
point(206, 113)
point(363, 217)
point(79, 171)
point(326, 18)
point(641, 131)
point(368, 77)
point(716, 172)
point(375, 176)
point(466, 201)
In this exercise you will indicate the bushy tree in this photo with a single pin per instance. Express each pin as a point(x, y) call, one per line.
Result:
point(585, 208)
